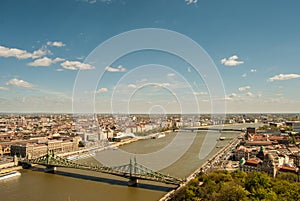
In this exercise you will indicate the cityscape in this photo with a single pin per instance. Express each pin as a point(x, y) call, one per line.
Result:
point(149, 100)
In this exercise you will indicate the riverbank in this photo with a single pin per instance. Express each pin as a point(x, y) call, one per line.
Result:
point(113, 145)
point(206, 167)
point(12, 168)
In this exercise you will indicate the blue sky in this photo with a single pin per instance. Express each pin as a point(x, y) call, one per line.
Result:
point(254, 44)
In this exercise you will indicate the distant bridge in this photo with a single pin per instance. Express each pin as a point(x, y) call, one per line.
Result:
point(213, 129)
point(133, 171)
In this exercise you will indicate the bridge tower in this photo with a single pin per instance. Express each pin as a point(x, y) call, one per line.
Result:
point(133, 181)
point(49, 168)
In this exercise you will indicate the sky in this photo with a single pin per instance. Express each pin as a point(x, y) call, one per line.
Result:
point(45, 46)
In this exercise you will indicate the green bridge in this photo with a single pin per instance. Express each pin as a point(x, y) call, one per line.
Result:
point(133, 171)
point(213, 129)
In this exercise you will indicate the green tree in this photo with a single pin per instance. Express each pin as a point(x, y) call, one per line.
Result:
point(232, 192)
point(220, 176)
point(288, 176)
point(239, 176)
point(236, 186)
point(286, 190)
point(256, 180)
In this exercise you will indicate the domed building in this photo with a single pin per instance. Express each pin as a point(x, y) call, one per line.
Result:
point(268, 165)
point(261, 154)
point(264, 163)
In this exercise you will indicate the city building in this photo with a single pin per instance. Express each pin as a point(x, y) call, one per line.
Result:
point(34, 150)
point(268, 163)
point(242, 152)
point(295, 125)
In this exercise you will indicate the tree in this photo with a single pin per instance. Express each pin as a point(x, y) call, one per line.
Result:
point(220, 176)
point(232, 192)
point(257, 179)
point(288, 176)
point(286, 191)
point(239, 176)
point(240, 186)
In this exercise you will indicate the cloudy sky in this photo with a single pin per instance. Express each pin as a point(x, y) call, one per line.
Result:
point(254, 44)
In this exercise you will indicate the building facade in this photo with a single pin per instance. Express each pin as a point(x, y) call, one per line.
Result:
point(34, 150)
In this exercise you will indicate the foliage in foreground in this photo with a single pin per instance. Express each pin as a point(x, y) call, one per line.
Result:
point(240, 186)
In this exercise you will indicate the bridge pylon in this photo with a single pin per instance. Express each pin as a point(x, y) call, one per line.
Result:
point(49, 156)
point(133, 181)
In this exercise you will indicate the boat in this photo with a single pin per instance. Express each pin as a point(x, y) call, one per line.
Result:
point(222, 138)
point(9, 174)
point(159, 136)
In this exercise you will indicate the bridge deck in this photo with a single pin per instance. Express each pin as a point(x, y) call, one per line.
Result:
point(131, 170)
point(214, 129)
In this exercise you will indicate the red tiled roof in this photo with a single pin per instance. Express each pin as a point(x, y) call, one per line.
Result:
point(252, 162)
point(258, 142)
point(272, 138)
point(287, 169)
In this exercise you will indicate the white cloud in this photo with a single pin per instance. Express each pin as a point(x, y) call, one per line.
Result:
point(19, 83)
point(80, 58)
point(114, 70)
point(244, 75)
point(59, 70)
point(163, 85)
point(232, 95)
point(41, 52)
point(14, 52)
point(244, 88)
point(200, 93)
point(45, 61)
point(76, 65)
point(171, 74)
point(249, 94)
point(231, 61)
point(56, 43)
point(104, 1)
point(23, 54)
point(58, 59)
point(188, 2)
point(189, 69)
point(226, 98)
point(132, 86)
point(4, 89)
point(102, 90)
point(253, 70)
point(283, 77)
point(142, 80)
point(95, 1)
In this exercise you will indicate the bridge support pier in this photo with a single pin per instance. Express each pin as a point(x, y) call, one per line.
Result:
point(133, 182)
point(50, 169)
point(25, 165)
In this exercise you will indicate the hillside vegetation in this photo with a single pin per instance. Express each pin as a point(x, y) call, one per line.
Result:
point(240, 186)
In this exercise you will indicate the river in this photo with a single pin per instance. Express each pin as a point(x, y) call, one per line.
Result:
point(80, 185)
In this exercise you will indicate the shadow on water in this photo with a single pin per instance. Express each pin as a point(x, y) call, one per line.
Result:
point(109, 180)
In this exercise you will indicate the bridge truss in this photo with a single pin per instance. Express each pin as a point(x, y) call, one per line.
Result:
point(133, 170)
